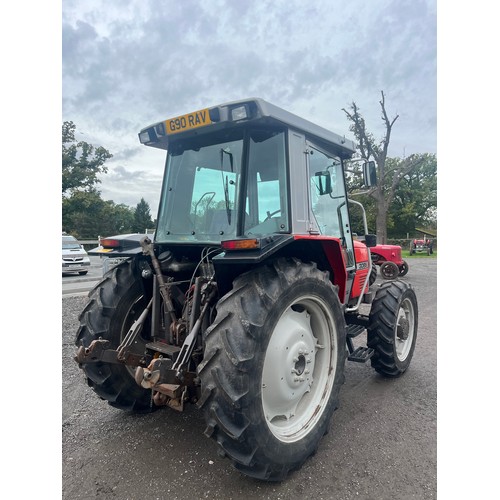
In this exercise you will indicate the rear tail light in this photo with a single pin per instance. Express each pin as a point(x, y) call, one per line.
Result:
point(245, 244)
point(109, 243)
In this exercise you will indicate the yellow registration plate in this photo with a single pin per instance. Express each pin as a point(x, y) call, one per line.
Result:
point(188, 122)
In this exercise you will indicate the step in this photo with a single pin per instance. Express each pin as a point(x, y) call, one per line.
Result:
point(361, 354)
point(354, 330)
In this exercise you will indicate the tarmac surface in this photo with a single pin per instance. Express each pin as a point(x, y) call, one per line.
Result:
point(381, 444)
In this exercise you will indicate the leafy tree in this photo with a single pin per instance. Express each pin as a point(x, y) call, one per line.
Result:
point(142, 217)
point(87, 215)
point(389, 173)
point(122, 217)
point(415, 200)
point(84, 213)
point(81, 162)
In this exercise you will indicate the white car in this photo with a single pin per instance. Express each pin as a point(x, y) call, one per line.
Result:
point(74, 257)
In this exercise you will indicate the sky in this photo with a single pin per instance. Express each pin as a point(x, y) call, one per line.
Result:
point(127, 65)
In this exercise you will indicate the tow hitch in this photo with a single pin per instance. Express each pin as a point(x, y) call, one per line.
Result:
point(162, 367)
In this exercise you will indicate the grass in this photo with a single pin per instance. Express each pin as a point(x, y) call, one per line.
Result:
point(406, 255)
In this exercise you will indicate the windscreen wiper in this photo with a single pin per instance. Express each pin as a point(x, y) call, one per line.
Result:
point(225, 184)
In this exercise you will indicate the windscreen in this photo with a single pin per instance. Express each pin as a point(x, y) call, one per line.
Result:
point(199, 195)
point(70, 243)
point(225, 184)
point(266, 198)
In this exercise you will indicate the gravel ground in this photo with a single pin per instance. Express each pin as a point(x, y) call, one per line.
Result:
point(382, 442)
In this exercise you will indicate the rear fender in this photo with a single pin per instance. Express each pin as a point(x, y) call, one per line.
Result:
point(327, 252)
point(121, 245)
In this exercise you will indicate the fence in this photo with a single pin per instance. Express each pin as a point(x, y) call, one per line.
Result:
point(405, 243)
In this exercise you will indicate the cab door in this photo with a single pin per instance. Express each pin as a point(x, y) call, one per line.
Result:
point(328, 198)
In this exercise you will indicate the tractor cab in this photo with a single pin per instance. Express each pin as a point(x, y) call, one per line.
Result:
point(255, 179)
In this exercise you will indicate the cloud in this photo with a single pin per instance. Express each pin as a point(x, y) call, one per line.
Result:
point(127, 66)
point(123, 185)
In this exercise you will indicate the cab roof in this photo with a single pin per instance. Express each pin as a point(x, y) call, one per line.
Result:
point(235, 113)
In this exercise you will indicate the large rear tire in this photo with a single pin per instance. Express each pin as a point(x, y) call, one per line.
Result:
point(273, 367)
point(392, 330)
point(114, 304)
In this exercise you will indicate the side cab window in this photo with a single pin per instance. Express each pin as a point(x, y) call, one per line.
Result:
point(328, 197)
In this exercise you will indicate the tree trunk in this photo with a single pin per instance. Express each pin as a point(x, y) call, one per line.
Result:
point(381, 223)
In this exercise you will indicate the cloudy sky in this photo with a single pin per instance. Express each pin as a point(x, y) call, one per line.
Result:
point(129, 64)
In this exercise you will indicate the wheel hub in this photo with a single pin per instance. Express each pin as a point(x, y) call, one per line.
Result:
point(289, 365)
point(300, 365)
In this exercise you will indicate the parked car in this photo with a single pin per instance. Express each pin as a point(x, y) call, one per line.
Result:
point(74, 257)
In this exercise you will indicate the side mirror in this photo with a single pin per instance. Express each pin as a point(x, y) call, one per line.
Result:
point(369, 173)
point(371, 240)
point(324, 182)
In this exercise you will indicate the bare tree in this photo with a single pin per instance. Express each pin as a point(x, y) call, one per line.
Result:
point(388, 178)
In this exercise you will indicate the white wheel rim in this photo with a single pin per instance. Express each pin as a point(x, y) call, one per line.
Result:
point(299, 369)
point(405, 329)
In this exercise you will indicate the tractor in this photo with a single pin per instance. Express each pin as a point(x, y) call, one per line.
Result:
point(247, 299)
point(422, 245)
point(389, 260)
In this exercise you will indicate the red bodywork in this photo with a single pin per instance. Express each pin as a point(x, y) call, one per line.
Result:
point(362, 255)
point(383, 253)
point(421, 244)
point(337, 259)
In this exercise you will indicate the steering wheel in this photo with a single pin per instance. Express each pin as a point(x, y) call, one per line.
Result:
point(270, 214)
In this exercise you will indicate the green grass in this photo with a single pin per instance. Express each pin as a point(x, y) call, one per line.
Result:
point(406, 255)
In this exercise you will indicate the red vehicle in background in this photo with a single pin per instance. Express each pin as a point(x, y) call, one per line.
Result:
point(390, 261)
point(421, 245)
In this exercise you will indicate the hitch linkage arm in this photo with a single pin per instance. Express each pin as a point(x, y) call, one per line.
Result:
point(98, 349)
point(148, 249)
point(187, 348)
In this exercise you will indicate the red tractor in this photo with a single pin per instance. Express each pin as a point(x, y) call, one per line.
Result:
point(423, 245)
point(390, 261)
point(247, 299)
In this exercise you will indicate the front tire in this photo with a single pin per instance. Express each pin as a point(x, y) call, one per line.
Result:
point(392, 330)
point(373, 275)
point(389, 270)
point(114, 304)
point(403, 269)
point(273, 367)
